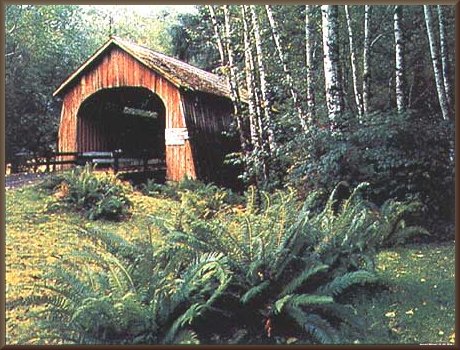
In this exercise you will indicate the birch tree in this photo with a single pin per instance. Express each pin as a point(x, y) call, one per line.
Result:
point(255, 117)
point(253, 103)
point(401, 100)
point(223, 39)
point(333, 86)
point(217, 33)
point(446, 71)
point(353, 61)
point(282, 57)
point(309, 30)
point(366, 60)
point(436, 62)
point(266, 104)
point(233, 82)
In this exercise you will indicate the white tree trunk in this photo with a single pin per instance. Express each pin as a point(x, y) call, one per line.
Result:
point(233, 82)
point(255, 118)
point(334, 93)
point(366, 60)
point(286, 70)
point(309, 29)
point(446, 71)
point(254, 110)
point(353, 61)
point(217, 34)
point(266, 104)
point(399, 59)
point(436, 63)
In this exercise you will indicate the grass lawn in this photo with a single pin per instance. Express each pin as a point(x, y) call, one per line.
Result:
point(416, 306)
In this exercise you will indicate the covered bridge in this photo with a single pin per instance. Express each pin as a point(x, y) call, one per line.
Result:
point(129, 97)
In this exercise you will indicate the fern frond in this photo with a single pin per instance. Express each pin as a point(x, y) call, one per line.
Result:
point(301, 278)
point(297, 300)
point(313, 324)
point(186, 318)
point(321, 329)
point(338, 284)
point(254, 291)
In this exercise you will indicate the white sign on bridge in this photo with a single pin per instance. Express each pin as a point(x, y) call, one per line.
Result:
point(176, 136)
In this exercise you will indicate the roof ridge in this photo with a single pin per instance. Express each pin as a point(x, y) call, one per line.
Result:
point(179, 73)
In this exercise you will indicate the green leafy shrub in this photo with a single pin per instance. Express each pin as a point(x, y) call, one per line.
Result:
point(151, 188)
point(52, 182)
point(98, 195)
point(291, 264)
point(207, 199)
point(118, 293)
point(402, 156)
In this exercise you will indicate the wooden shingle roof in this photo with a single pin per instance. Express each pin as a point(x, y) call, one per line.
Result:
point(179, 73)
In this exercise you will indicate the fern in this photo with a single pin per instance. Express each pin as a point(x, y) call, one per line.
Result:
point(295, 283)
point(340, 283)
point(254, 291)
point(314, 324)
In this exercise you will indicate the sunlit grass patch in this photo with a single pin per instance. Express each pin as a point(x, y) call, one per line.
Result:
point(419, 304)
point(37, 235)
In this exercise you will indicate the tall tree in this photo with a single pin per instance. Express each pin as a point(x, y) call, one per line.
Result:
point(253, 106)
point(366, 59)
point(233, 81)
point(354, 63)
point(309, 49)
point(282, 58)
point(436, 62)
point(401, 100)
point(333, 85)
point(255, 115)
point(446, 71)
point(217, 34)
point(264, 91)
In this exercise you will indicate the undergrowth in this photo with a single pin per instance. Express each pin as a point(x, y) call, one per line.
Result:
point(96, 195)
point(275, 273)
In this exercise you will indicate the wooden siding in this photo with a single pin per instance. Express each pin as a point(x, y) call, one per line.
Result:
point(207, 116)
point(119, 69)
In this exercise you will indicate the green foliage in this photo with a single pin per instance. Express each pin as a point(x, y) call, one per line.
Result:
point(98, 195)
point(43, 45)
point(118, 293)
point(404, 157)
point(291, 265)
point(206, 199)
point(264, 274)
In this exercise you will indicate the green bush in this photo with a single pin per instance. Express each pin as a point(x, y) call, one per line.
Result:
point(290, 265)
point(402, 156)
point(98, 195)
point(119, 293)
point(207, 199)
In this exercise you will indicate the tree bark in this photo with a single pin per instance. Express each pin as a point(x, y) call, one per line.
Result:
point(282, 57)
point(233, 80)
point(446, 71)
point(366, 60)
point(334, 92)
point(309, 30)
point(254, 110)
point(354, 64)
point(401, 100)
point(217, 34)
point(266, 103)
point(437, 69)
point(255, 120)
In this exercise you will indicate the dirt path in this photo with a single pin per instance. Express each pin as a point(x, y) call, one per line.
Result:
point(23, 179)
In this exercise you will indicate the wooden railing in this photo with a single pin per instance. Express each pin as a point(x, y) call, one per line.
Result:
point(116, 160)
